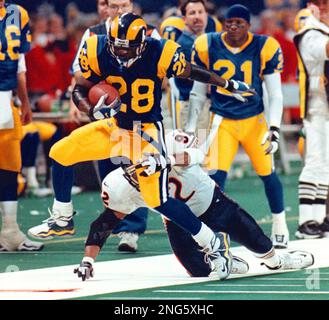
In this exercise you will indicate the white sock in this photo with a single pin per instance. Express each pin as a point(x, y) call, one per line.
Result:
point(279, 225)
point(271, 258)
point(305, 213)
point(319, 212)
point(204, 236)
point(31, 177)
point(9, 215)
point(62, 212)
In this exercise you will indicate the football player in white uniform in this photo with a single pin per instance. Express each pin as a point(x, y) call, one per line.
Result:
point(188, 183)
point(312, 43)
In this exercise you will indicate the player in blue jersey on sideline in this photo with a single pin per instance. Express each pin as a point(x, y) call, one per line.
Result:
point(253, 59)
point(14, 43)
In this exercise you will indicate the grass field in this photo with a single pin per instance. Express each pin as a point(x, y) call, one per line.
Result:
point(247, 191)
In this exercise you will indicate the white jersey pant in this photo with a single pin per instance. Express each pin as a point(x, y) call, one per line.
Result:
point(316, 169)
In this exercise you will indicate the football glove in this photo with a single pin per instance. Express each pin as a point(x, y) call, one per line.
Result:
point(85, 270)
point(151, 163)
point(273, 137)
point(237, 88)
point(103, 111)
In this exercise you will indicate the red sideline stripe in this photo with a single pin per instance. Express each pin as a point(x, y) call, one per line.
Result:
point(39, 290)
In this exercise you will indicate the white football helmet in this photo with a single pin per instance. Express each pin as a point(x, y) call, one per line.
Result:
point(178, 140)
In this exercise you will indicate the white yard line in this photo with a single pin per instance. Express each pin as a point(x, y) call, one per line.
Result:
point(134, 274)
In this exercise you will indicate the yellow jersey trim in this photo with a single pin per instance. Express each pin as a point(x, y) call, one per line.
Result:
point(166, 57)
point(269, 49)
point(201, 47)
point(92, 54)
point(235, 50)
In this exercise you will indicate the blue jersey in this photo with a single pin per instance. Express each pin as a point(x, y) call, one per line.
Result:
point(184, 86)
point(139, 85)
point(172, 27)
point(15, 38)
point(260, 55)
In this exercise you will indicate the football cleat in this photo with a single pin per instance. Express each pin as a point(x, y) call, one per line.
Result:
point(280, 241)
point(324, 227)
point(128, 242)
point(28, 245)
point(50, 229)
point(25, 245)
point(309, 230)
point(239, 266)
point(218, 255)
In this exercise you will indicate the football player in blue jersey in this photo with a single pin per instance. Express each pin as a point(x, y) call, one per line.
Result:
point(14, 43)
point(136, 66)
point(253, 59)
point(172, 27)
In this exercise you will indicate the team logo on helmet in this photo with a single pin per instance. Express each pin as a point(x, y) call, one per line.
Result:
point(126, 38)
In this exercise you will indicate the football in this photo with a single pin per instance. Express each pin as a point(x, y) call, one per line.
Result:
point(99, 90)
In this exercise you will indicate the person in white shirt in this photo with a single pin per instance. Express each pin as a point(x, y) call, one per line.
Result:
point(312, 43)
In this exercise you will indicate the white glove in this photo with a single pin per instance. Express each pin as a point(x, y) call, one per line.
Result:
point(152, 163)
point(103, 111)
point(237, 88)
point(273, 137)
point(85, 270)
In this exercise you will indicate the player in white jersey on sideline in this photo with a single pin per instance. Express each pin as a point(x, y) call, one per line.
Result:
point(189, 183)
point(312, 43)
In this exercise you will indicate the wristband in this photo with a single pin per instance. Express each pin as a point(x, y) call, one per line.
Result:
point(88, 259)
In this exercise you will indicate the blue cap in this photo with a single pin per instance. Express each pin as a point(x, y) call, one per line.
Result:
point(238, 11)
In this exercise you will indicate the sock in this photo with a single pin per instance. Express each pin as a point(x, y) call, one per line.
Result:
point(271, 259)
point(62, 181)
point(279, 225)
point(305, 213)
point(319, 206)
point(220, 177)
point(178, 212)
point(204, 236)
point(29, 149)
point(9, 215)
point(31, 177)
point(306, 195)
point(274, 192)
point(62, 212)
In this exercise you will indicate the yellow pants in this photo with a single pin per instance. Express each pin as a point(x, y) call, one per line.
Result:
point(103, 139)
point(45, 129)
point(10, 148)
point(247, 132)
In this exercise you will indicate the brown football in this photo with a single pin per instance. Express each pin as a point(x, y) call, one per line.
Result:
point(99, 90)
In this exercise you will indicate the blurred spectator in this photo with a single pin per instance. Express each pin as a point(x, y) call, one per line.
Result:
point(50, 59)
point(269, 25)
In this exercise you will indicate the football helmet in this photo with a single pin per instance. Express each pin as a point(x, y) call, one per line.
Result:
point(126, 38)
point(178, 140)
point(301, 18)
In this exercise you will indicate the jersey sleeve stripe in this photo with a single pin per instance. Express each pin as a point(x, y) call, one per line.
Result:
point(201, 47)
point(24, 17)
point(166, 57)
point(92, 54)
point(268, 51)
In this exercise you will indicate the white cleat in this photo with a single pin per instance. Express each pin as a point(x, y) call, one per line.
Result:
point(25, 244)
point(218, 255)
point(280, 241)
point(128, 242)
point(239, 266)
point(294, 260)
